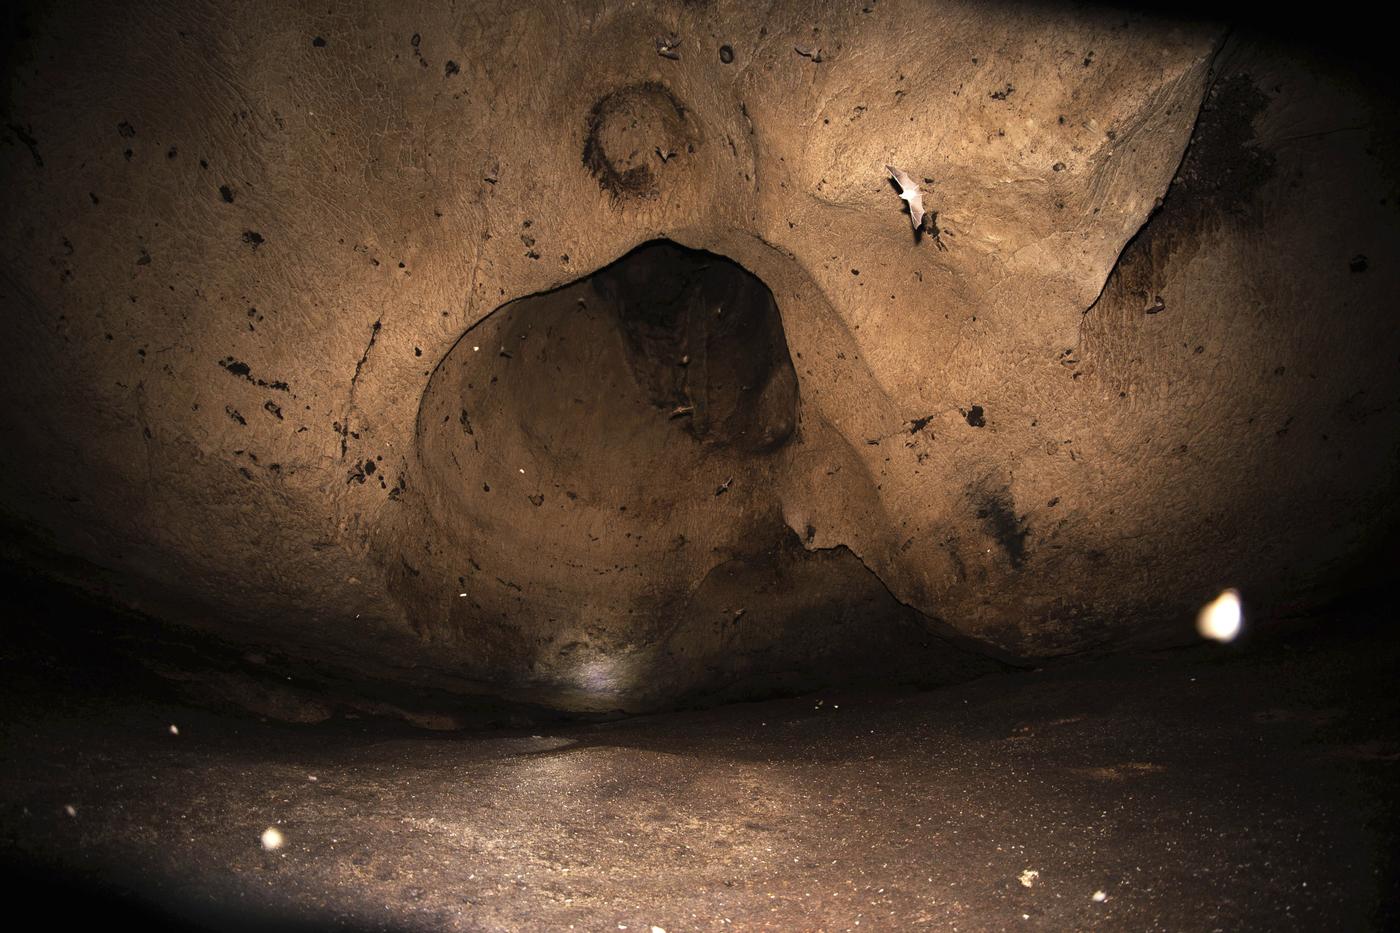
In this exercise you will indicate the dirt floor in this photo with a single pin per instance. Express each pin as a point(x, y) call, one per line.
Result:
point(1216, 788)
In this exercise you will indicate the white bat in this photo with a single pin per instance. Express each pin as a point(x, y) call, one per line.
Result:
point(909, 192)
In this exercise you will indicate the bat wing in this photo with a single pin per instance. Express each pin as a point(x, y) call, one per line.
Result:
point(909, 191)
point(902, 179)
point(916, 209)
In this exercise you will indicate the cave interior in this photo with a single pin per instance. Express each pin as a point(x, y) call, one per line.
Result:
point(699, 465)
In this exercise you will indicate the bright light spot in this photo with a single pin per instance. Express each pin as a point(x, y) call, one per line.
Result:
point(1221, 618)
point(602, 675)
point(1099, 897)
point(522, 469)
point(476, 349)
point(656, 929)
point(461, 594)
point(174, 729)
point(272, 838)
point(1029, 877)
point(70, 809)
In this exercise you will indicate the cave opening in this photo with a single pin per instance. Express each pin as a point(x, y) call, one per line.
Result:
point(664, 364)
point(704, 341)
point(636, 431)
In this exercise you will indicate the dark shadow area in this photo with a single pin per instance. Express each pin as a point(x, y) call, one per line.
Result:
point(1176, 784)
point(67, 643)
point(705, 342)
point(679, 708)
point(65, 898)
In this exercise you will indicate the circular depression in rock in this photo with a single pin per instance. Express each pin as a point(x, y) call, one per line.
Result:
point(635, 133)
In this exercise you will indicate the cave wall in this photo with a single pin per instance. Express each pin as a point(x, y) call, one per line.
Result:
point(1145, 351)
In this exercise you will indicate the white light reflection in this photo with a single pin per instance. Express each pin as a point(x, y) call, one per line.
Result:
point(1221, 618)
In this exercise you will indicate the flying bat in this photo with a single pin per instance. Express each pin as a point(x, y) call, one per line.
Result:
point(909, 192)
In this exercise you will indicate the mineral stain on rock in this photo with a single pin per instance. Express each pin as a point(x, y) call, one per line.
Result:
point(998, 515)
point(625, 128)
point(1221, 171)
point(244, 371)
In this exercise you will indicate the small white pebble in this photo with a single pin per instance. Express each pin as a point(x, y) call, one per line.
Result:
point(70, 809)
point(312, 778)
point(476, 349)
point(1029, 877)
point(174, 729)
point(272, 838)
point(656, 929)
point(522, 470)
point(1099, 897)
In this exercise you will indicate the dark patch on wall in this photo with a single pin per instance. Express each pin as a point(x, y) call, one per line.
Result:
point(998, 514)
point(1220, 174)
point(1218, 183)
point(361, 471)
point(244, 371)
point(1222, 169)
point(802, 619)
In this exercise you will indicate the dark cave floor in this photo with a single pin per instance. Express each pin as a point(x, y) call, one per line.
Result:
point(1212, 788)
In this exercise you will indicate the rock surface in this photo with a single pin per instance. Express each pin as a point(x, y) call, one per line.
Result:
point(1144, 350)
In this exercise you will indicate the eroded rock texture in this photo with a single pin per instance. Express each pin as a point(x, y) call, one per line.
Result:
point(518, 350)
